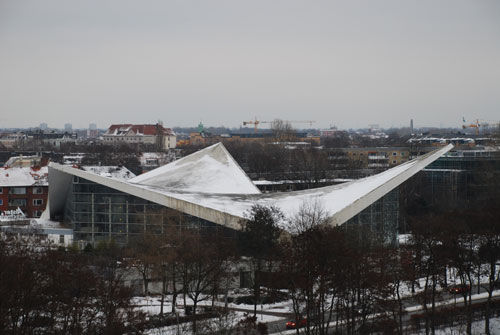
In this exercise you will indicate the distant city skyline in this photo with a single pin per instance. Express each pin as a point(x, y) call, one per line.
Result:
point(343, 63)
point(267, 127)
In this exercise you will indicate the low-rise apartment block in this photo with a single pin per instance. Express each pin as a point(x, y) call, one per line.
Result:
point(25, 188)
point(382, 157)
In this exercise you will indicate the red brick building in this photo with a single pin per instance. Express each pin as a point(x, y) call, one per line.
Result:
point(26, 188)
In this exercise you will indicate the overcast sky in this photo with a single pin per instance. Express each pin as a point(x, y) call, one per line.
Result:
point(348, 63)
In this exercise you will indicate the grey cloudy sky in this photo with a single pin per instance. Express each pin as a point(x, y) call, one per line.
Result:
point(349, 63)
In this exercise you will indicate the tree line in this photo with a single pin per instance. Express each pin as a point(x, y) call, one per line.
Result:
point(337, 278)
point(48, 291)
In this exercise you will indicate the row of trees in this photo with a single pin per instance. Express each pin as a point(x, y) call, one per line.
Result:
point(274, 161)
point(49, 291)
point(187, 264)
point(334, 273)
point(460, 244)
point(336, 277)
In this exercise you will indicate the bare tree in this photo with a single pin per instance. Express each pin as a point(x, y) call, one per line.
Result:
point(259, 240)
point(143, 254)
point(204, 260)
point(283, 130)
point(58, 292)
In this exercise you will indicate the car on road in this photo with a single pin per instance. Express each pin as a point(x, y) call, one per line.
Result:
point(459, 289)
point(294, 324)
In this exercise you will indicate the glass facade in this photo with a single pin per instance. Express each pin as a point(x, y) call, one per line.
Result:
point(97, 213)
point(379, 219)
point(459, 175)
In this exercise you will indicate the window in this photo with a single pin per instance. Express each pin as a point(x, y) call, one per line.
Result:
point(394, 162)
point(37, 202)
point(37, 190)
point(37, 214)
point(1, 202)
point(17, 202)
point(394, 153)
point(61, 239)
point(1, 190)
point(17, 190)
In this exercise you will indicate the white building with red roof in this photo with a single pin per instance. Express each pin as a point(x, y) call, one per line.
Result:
point(154, 134)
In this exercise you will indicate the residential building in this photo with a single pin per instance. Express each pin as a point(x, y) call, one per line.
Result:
point(154, 134)
point(332, 132)
point(12, 140)
point(376, 158)
point(25, 188)
point(202, 138)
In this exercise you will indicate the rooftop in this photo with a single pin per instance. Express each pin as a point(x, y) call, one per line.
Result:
point(138, 129)
point(23, 176)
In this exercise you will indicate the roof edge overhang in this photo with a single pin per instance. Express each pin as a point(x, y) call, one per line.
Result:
point(360, 204)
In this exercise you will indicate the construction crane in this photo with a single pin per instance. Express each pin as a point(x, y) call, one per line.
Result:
point(256, 123)
point(477, 124)
point(472, 125)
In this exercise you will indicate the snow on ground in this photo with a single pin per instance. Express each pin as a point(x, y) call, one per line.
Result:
point(458, 299)
point(405, 289)
point(477, 328)
point(284, 307)
point(151, 305)
point(216, 323)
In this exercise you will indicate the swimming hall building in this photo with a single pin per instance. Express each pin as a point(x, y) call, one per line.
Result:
point(208, 190)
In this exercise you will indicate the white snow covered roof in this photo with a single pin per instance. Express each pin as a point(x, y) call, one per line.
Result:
point(341, 202)
point(210, 170)
point(116, 172)
point(23, 176)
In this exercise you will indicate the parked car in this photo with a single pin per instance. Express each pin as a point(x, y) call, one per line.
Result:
point(294, 324)
point(459, 289)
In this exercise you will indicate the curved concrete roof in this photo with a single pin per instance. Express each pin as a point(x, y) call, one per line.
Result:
point(341, 202)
